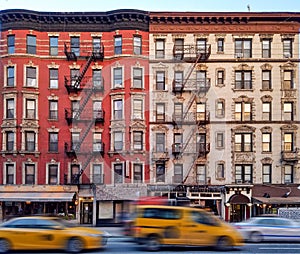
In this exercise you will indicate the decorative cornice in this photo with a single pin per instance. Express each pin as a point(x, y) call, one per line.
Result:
point(125, 19)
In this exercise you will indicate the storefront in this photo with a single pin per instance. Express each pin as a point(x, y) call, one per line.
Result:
point(37, 200)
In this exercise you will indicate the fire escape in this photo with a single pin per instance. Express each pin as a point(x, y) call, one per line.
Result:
point(194, 143)
point(83, 85)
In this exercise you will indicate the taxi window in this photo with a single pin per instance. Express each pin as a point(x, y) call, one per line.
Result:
point(157, 213)
point(203, 218)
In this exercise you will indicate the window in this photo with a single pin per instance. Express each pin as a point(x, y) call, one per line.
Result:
point(220, 43)
point(219, 140)
point(75, 141)
point(160, 143)
point(97, 142)
point(75, 173)
point(266, 142)
point(266, 111)
point(160, 48)
point(137, 109)
point(10, 108)
point(10, 141)
point(118, 173)
point(178, 140)
point(97, 110)
point(138, 140)
point(220, 174)
point(75, 45)
point(160, 112)
point(118, 77)
point(288, 145)
point(178, 173)
point(31, 77)
point(53, 142)
point(31, 44)
point(29, 141)
point(243, 142)
point(11, 44)
point(201, 174)
point(137, 45)
point(201, 112)
point(220, 112)
point(179, 48)
point(220, 77)
point(75, 105)
point(98, 176)
point(10, 75)
point(288, 80)
point(97, 79)
point(10, 174)
point(201, 81)
point(75, 73)
point(137, 77)
point(118, 141)
point(97, 45)
point(137, 173)
point(243, 173)
point(288, 111)
point(288, 174)
point(178, 80)
point(287, 48)
point(160, 172)
point(53, 74)
point(266, 80)
point(118, 45)
point(29, 174)
point(53, 110)
point(243, 111)
point(201, 46)
point(52, 174)
point(243, 80)
point(118, 110)
point(178, 112)
point(201, 143)
point(267, 173)
point(53, 47)
point(160, 80)
point(30, 109)
point(243, 48)
point(266, 48)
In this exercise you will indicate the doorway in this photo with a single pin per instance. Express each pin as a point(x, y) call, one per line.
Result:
point(87, 213)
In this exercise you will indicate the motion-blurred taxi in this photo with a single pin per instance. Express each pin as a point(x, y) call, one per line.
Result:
point(38, 233)
point(158, 225)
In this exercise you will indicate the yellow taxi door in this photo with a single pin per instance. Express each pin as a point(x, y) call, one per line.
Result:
point(201, 228)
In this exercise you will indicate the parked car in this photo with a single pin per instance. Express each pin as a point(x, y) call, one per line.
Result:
point(40, 233)
point(158, 225)
point(265, 228)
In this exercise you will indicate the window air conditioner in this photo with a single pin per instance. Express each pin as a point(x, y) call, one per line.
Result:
point(239, 55)
point(287, 55)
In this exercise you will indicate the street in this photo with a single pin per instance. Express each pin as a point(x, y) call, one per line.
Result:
point(119, 245)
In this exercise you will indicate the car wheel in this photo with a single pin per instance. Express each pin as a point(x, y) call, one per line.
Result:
point(224, 243)
point(74, 245)
point(256, 237)
point(153, 243)
point(4, 246)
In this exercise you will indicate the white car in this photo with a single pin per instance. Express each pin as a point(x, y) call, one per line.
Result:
point(258, 229)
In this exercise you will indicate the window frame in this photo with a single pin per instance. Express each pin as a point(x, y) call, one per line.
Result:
point(266, 142)
point(53, 142)
point(137, 45)
point(266, 48)
point(10, 76)
point(31, 76)
point(53, 45)
point(53, 175)
point(137, 77)
point(137, 138)
point(53, 78)
point(30, 141)
point(118, 77)
point(242, 51)
point(29, 177)
point(118, 45)
point(220, 45)
point(160, 112)
point(267, 173)
point(243, 142)
point(243, 80)
point(11, 40)
point(243, 173)
point(160, 48)
point(31, 44)
point(53, 110)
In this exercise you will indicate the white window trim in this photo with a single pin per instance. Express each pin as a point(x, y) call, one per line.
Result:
point(4, 172)
point(58, 172)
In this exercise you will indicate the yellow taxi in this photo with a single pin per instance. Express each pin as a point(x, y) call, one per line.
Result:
point(158, 225)
point(50, 233)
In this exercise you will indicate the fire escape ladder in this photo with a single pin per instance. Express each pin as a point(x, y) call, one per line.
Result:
point(86, 163)
point(77, 147)
point(189, 171)
point(80, 77)
point(82, 106)
point(189, 104)
point(189, 137)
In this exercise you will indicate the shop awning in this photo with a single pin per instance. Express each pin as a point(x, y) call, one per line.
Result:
point(276, 200)
point(37, 196)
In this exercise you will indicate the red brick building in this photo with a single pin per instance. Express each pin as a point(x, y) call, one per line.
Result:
point(74, 93)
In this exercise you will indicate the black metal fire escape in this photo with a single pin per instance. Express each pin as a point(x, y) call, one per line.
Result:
point(77, 85)
point(190, 53)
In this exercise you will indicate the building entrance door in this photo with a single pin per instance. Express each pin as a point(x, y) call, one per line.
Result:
point(87, 213)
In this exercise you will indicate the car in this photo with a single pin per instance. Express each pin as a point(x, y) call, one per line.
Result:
point(267, 228)
point(51, 233)
point(155, 226)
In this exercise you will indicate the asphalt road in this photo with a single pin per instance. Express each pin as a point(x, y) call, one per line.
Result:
point(119, 245)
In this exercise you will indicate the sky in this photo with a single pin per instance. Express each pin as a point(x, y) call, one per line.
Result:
point(154, 5)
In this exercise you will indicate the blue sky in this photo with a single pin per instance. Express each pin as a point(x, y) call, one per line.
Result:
point(153, 5)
